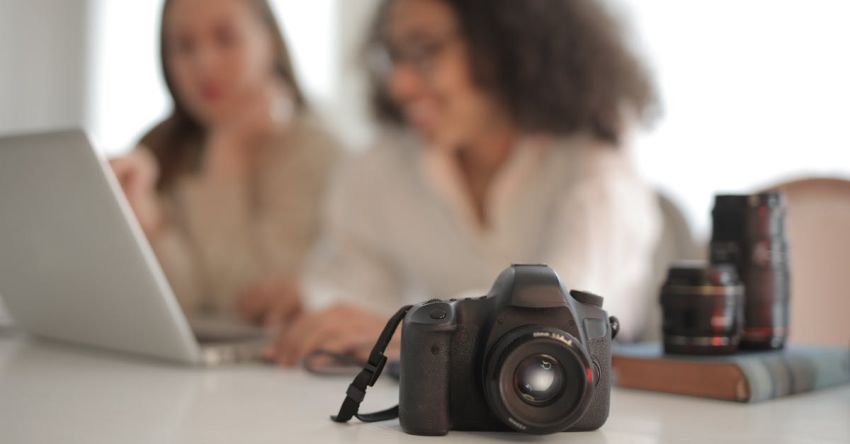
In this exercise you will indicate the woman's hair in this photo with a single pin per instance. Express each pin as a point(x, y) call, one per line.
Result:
point(557, 66)
point(177, 142)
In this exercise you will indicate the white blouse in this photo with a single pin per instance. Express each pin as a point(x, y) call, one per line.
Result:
point(401, 228)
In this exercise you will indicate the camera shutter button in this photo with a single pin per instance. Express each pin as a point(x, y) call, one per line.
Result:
point(438, 313)
point(586, 297)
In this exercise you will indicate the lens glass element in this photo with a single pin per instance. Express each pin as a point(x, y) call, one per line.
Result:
point(539, 379)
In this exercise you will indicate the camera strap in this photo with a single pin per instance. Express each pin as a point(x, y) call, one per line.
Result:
point(369, 375)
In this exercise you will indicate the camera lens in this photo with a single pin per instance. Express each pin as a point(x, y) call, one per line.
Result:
point(749, 233)
point(702, 307)
point(539, 379)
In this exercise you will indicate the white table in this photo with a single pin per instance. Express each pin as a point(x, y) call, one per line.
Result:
point(58, 394)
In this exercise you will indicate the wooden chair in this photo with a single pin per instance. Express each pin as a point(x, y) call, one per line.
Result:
point(818, 230)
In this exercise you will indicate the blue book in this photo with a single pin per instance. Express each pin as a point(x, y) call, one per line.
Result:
point(742, 377)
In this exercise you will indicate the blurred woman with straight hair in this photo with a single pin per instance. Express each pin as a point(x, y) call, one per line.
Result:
point(228, 187)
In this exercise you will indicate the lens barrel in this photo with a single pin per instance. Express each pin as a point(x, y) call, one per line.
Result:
point(702, 308)
point(749, 233)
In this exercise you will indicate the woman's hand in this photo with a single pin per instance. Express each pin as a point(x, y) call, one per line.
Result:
point(341, 328)
point(138, 172)
point(271, 302)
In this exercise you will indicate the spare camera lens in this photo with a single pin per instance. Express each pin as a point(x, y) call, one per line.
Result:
point(539, 379)
point(749, 233)
point(702, 307)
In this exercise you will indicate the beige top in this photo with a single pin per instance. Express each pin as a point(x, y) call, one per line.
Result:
point(220, 237)
point(401, 229)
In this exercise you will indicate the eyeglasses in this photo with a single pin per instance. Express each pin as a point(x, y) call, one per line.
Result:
point(422, 56)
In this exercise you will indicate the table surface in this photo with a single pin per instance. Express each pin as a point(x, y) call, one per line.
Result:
point(57, 393)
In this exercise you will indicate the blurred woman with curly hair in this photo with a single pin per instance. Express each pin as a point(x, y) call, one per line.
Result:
point(508, 122)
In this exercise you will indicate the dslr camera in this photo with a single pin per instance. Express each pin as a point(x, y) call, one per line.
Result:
point(529, 356)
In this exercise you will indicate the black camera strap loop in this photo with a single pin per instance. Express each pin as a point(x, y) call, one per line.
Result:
point(369, 375)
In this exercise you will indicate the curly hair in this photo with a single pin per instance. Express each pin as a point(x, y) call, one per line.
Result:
point(558, 67)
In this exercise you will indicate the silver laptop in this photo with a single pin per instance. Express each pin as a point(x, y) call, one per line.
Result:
point(76, 267)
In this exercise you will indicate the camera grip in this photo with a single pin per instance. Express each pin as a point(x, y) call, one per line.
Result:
point(597, 411)
point(425, 365)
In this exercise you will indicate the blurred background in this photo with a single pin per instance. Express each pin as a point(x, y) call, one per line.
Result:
point(754, 91)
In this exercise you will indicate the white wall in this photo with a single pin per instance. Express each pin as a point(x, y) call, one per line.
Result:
point(126, 91)
point(755, 91)
point(353, 113)
point(43, 64)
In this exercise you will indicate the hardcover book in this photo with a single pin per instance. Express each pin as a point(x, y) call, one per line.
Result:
point(741, 377)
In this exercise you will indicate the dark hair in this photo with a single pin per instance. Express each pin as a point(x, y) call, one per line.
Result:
point(177, 142)
point(557, 66)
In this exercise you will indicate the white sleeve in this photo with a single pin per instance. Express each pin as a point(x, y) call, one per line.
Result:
point(603, 238)
point(351, 264)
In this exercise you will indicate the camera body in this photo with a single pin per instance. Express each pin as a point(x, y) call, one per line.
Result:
point(529, 356)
